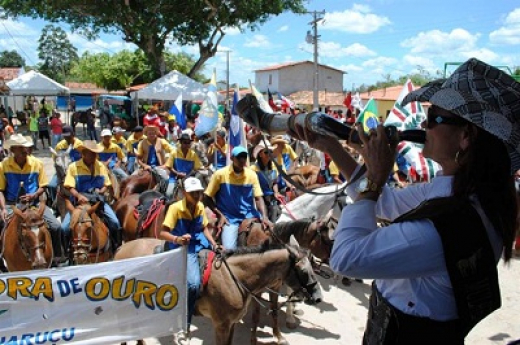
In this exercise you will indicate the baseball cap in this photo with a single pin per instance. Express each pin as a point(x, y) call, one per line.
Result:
point(106, 132)
point(238, 150)
point(67, 131)
point(192, 184)
point(117, 130)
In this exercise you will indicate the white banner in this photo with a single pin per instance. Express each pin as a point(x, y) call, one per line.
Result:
point(104, 303)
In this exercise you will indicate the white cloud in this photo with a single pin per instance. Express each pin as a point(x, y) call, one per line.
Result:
point(483, 54)
point(350, 68)
point(380, 61)
point(17, 29)
point(335, 50)
point(509, 33)
point(232, 31)
point(359, 19)
point(258, 41)
point(436, 42)
point(423, 62)
point(283, 28)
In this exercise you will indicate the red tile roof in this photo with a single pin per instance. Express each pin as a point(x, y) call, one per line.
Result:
point(386, 94)
point(136, 87)
point(289, 64)
point(10, 73)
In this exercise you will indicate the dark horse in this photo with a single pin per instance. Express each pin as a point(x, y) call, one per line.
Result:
point(238, 276)
point(81, 117)
point(26, 241)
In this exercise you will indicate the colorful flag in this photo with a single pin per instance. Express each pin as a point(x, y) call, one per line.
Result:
point(178, 110)
point(347, 102)
point(271, 100)
point(410, 116)
point(357, 102)
point(236, 136)
point(261, 100)
point(286, 102)
point(368, 116)
point(208, 114)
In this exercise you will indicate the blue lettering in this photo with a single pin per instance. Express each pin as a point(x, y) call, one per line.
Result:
point(75, 285)
point(64, 287)
point(70, 336)
point(41, 338)
point(13, 340)
point(51, 336)
point(26, 339)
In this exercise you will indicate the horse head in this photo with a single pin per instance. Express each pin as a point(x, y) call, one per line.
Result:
point(320, 234)
point(302, 279)
point(61, 162)
point(83, 232)
point(33, 236)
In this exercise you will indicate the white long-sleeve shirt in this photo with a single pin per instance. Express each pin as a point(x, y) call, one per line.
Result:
point(406, 258)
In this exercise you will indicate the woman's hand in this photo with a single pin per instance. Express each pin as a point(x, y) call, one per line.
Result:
point(378, 153)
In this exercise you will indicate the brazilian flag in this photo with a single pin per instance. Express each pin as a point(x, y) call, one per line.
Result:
point(369, 116)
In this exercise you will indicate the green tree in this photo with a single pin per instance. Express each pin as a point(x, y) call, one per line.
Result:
point(151, 24)
point(11, 59)
point(56, 53)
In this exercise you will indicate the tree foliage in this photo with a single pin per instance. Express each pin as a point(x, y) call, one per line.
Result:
point(56, 53)
point(152, 24)
point(418, 79)
point(11, 59)
point(126, 68)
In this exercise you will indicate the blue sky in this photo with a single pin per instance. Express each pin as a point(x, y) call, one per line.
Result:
point(367, 39)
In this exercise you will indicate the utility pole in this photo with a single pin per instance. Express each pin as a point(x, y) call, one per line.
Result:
point(227, 74)
point(313, 38)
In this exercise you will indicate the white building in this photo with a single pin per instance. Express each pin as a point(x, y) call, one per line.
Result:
point(291, 77)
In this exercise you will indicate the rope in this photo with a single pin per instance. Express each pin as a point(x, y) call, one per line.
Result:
point(153, 212)
point(281, 199)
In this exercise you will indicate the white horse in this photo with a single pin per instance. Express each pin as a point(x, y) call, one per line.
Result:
point(313, 206)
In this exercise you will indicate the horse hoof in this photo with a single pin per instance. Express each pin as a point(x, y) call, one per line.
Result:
point(291, 325)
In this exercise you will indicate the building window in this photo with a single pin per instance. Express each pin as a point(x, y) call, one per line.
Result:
point(270, 79)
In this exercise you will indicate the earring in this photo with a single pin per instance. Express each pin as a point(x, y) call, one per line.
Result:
point(457, 155)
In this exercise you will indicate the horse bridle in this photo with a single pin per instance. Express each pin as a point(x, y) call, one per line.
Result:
point(76, 246)
point(21, 239)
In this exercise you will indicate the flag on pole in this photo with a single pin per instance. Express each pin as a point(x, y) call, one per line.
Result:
point(347, 102)
point(271, 100)
point(286, 101)
point(418, 168)
point(178, 110)
point(368, 116)
point(357, 102)
point(208, 113)
point(236, 136)
point(261, 100)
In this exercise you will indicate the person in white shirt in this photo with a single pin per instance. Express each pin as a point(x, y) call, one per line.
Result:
point(434, 265)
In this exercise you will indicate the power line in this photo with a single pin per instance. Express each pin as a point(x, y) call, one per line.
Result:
point(15, 42)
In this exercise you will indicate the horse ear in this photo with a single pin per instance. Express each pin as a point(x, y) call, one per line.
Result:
point(68, 205)
point(93, 208)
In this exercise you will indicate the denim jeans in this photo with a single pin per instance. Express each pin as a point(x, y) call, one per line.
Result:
point(119, 173)
point(193, 278)
point(230, 236)
point(53, 187)
point(92, 134)
point(55, 139)
point(110, 219)
point(130, 165)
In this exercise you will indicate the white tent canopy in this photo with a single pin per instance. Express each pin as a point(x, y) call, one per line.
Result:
point(169, 86)
point(33, 83)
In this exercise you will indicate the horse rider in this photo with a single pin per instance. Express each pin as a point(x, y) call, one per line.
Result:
point(111, 155)
point(89, 175)
point(186, 224)
point(217, 151)
point(284, 153)
point(23, 167)
point(69, 140)
point(232, 194)
point(131, 147)
point(151, 152)
point(270, 182)
point(182, 162)
point(118, 138)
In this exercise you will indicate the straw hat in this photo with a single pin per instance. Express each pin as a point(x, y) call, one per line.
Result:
point(17, 140)
point(278, 139)
point(90, 145)
point(261, 147)
point(30, 140)
point(483, 95)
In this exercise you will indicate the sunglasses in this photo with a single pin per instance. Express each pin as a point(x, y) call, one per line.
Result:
point(267, 151)
point(434, 120)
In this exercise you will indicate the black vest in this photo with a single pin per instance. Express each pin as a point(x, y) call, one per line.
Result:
point(469, 257)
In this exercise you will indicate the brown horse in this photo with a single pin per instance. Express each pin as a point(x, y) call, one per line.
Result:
point(238, 277)
point(310, 234)
point(26, 241)
point(90, 236)
point(137, 183)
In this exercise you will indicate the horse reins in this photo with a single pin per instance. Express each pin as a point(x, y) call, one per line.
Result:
point(81, 220)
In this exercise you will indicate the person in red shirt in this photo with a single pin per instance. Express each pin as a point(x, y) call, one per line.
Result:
point(152, 118)
point(56, 129)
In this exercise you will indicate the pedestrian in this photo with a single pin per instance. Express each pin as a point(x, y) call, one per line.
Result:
point(91, 126)
point(434, 265)
point(33, 128)
point(43, 127)
point(56, 128)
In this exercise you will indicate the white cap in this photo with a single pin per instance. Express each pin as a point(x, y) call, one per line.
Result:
point(106, 132)
point(192, 184)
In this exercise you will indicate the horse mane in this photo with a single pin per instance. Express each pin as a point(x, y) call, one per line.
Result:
point(259, 249)
point(284, 230)
point(74, 216)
